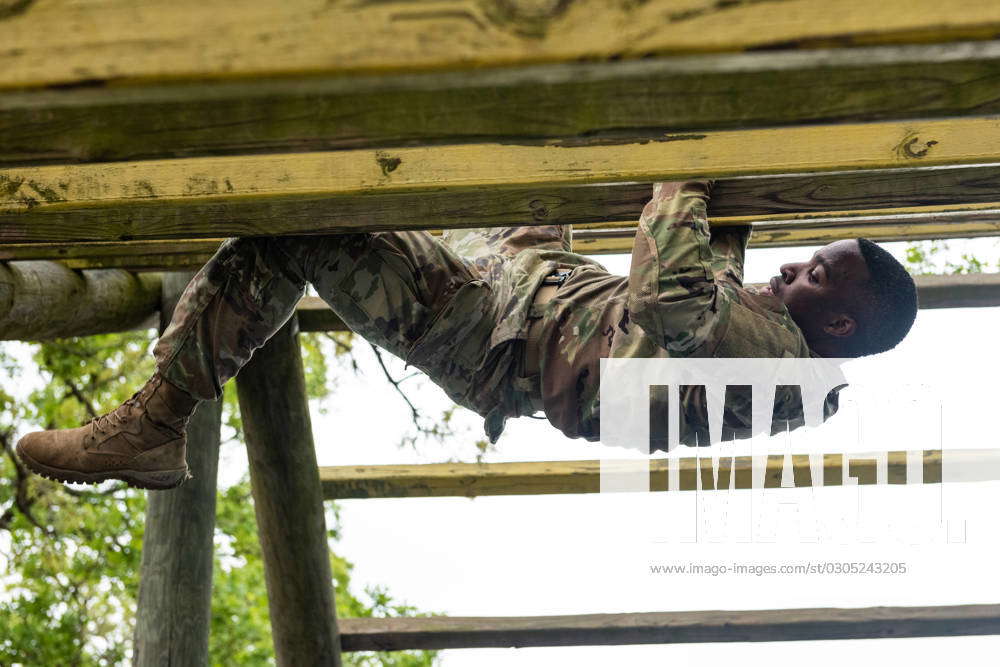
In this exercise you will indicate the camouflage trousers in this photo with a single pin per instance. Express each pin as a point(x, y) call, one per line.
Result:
point(425, 300)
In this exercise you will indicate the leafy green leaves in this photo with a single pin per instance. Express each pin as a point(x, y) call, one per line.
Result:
point(70, 556)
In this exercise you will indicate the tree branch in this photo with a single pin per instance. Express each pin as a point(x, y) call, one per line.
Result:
point(395, 384)
point(78, 395)
point(22, 500)
point(436, 430)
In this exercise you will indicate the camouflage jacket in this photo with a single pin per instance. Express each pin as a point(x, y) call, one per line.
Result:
point(684, 296)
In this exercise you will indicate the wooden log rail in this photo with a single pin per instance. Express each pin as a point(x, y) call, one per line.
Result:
point(679, 627)
point(696, 473)
point(42, 300)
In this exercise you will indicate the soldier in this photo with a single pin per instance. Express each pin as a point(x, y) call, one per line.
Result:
point(507, 321)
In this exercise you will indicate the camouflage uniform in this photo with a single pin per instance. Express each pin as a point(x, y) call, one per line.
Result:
point(453, 308)
point(458, 309)
point(684, 297)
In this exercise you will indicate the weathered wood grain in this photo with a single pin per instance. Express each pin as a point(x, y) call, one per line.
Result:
point(439, 186)
point(582, 103)
point(968, 291)
point(131, 255)
point(779, 230)
point(291, 520)
point(50, 43)
point(899, 224)
point(42, 300)
point(442, 632)
point(566, 477)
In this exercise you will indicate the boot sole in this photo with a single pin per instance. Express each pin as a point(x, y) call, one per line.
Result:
point(155, 480)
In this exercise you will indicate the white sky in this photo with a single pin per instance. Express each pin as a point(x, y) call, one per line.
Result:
point(590, 553)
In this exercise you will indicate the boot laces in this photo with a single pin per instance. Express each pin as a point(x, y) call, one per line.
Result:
point(116, 417)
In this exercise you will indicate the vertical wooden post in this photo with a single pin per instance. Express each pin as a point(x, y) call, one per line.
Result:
point(175, 585)
point(289, 503)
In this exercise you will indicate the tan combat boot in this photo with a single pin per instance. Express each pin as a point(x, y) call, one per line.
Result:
point(142, 442)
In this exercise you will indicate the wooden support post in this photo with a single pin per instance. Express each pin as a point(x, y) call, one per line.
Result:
point(175, 583)
point(289, 503)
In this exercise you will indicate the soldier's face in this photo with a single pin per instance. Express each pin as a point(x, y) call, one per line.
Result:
point(820, 293)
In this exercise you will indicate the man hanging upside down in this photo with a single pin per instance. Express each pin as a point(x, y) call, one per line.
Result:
point(507, 321)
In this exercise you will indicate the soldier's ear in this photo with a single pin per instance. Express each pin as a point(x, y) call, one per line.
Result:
point(840, 325)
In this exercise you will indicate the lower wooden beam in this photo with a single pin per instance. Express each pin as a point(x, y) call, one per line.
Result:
point(905, 224)
point(769, 625)
point(696, 473)
point(290, 514)
point(915, 223)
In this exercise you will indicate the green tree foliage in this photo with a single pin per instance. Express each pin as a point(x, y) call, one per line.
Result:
point(937, 257)
point(70, 556)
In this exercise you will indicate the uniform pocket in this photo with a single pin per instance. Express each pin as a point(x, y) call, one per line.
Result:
point(456, 343)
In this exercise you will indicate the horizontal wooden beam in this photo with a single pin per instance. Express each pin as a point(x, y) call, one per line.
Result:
point(106, 42)
point(440, 186)
point(578, 102)
point(173, 255)
point(679, 627)
point(783, 230)
point(974, 290)
point(913, 224)
point(566, 477)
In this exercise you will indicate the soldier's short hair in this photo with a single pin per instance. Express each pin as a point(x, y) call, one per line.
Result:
point(889, 303)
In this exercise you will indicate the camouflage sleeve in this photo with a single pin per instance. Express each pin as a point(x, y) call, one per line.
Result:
point(673, 292)
point(729, 245)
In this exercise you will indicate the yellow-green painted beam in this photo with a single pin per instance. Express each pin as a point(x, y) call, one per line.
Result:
point(325, 192)
point(568, 477)
point(896, 224)
point(47, 42)
point(575, 102)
